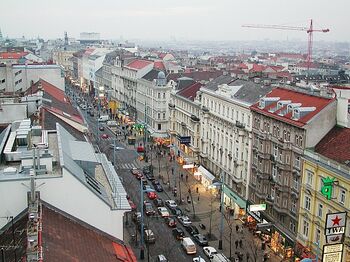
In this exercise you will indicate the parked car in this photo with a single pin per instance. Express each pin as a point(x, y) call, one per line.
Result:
point(163, 212)
point(193, 230)
point(198, 259)
point(170, 221)
point(148, 208)
point(178, 233)
point(188, 246)
point(132, 205)
point(101, 128)
point(158, 202)
point(139, 176)
point(155, 182)
point(147, 169)
point(209, 251)
point(170, 203)
point(140, 149)
point(152, 195)
point(148, 188)
point(184, 220)
point(144, 182)
point(201, 240)
point(150, 176)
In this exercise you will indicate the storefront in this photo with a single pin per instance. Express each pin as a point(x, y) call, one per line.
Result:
point(282, 244)
point(204, 176)
point(234, 202)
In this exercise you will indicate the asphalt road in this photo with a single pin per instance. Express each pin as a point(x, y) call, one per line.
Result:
point(165, 242)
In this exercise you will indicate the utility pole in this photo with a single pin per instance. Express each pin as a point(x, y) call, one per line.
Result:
point(142, 251)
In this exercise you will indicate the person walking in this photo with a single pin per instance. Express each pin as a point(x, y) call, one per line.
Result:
point(237, 227)
point(197, 189)
point(198, 197)
point(186, 177)
point(240, 243)
point(247, 255)
point(182, 176)
point(236, 243)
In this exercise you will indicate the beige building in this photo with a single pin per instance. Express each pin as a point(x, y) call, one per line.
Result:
point(285, 122)
point(63, 58)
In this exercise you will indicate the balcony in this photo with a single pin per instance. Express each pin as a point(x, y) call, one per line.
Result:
point(270, 199)
point(240, 124)
point(195, 119)
point(205, 110)
point(280, 209)
point(171, 106)
point(183, 124)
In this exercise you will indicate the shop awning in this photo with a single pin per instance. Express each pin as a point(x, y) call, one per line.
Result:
point(160, 135)
point(206, 173)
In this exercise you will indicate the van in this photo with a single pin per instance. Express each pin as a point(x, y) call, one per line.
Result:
point(149, 236)
point(188, 245)
point(112, 123)
point(103, 118)
point(219, 258)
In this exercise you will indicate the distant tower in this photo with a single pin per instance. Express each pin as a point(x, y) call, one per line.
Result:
point(65, 40)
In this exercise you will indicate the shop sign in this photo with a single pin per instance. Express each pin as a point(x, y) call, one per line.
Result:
point(256, 215)
point(327, 188)
point(258, 207)
point(335, 224)
point(185, 140)
point(332, 253)
point(188, 166)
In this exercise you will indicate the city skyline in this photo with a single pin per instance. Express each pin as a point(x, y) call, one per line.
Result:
point(180, 20)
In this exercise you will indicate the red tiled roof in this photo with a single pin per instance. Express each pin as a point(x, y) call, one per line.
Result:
point(139, 64)
point(159, 65)
point(335, 145)
point(48, 88)
point(275, 68)
point(162, 55)
point(66, 239)
point(295, 97)
point(242, 66)
point(13, 55)
point(190, 91)
point(257, 68)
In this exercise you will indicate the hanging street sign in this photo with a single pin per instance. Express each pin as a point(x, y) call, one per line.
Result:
point(332, 253)
point(327, 188)
point(258, 207)
point(335, 224)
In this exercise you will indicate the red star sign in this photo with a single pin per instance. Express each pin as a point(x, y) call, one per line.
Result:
point(336, 220)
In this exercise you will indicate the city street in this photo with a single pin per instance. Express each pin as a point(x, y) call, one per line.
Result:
point(205, 204)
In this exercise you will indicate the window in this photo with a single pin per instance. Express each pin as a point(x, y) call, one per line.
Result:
point(275, 150)
point(307, 203)
point(285, 202)
point(272, 193)
point(163, 95)
point(297, 162)
point(342, 196)
point(158, 95)
point(306, 228)
point(287, 159)
point(274, 171)
point(317, 235)
point(320, 210)
point(158, 115)
point(292, 226)
point(309, 177)
point(294, 205)
point(159, 126)
point(163, 115)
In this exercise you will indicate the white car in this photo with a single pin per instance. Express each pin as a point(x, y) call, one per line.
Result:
point(209, 251)
point(185, 220)
point(163, 211)
point(171, 203)
point(116, 147)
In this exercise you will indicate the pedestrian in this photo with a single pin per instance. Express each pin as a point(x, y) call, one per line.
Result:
point(247, 256)
point(240, 243)
point(198, 197)
point(197, 189)
point(237, 227)
point(182, 176)
point(236, 243)
point(186, 177)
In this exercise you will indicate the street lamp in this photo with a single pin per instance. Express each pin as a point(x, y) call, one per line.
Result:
point(222, 211)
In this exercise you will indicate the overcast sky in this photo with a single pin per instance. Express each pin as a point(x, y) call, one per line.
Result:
point(169, 19)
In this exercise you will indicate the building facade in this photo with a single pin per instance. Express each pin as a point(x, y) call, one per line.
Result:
point(285, 122)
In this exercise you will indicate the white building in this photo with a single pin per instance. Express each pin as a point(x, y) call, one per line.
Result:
point(152, 98)
point(226, 125)
point(68, 175)
point(15, 78)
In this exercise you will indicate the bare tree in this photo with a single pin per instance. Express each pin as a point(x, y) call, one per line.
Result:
point(230, 221)
point(255, 248)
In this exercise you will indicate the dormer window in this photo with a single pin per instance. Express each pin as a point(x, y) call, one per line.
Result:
point(262, 103)
point(296, 114)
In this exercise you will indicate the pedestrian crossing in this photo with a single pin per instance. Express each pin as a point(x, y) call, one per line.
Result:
point(131, 165)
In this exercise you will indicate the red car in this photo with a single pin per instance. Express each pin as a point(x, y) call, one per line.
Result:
point(104, 136)
point(140, 149)
point(152, 195)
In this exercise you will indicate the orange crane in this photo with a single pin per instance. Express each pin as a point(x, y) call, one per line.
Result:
point(309, 30)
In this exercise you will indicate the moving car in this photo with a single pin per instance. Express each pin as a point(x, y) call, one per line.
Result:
point(150, 176)
point(147, 206)
point(177, 211)
point(147, 169)
point(104, 136)
point(198, 259)
point(135, 171)
point(184, 220)
point(158, 202)
point(163, 212)
point(158, 188)
point(148, 188)
point(149, 236)
point(103, 118)
point(152, 195)
point(101, 128)
point(209, 251)
point(178, 233)
point(170, 221)
point(193, 230)
point(170, 203)
point(219, 258)
point(201, 240)
point(161, 258)
point(140, 149)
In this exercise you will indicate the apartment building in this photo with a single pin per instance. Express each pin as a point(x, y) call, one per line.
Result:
point(285, 122)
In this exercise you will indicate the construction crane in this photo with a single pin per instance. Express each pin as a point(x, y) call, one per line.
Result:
point(309, 30)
